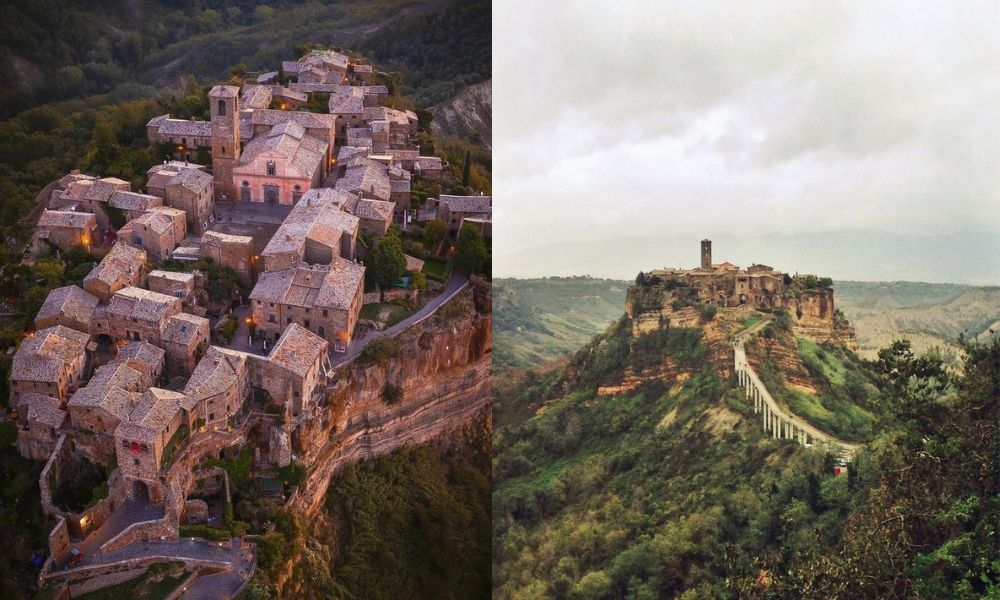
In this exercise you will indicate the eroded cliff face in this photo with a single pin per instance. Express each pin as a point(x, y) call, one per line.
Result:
point(443, 368)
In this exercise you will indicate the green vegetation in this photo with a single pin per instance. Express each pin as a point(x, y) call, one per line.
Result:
point(471, 253)
point(158, 582)
point(416, 525)
point(842, 407)
point(83, 485)
point(392, 394)
point(538, 320)
point(222, 283)
point(385, 263)
point(176, 440)
point(238, 468)
point(394, 312)
point(379, 351)
point(24, 529)
point(205, 531)
point(673, 490)
point(437, 269)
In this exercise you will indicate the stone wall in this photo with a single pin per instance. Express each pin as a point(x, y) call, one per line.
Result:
point(102, 581)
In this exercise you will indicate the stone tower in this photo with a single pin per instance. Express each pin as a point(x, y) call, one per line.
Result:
point(706, 254)
point(225, 108)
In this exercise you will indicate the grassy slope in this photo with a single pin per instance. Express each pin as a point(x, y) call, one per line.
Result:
point(536, 320)
point(645, 495)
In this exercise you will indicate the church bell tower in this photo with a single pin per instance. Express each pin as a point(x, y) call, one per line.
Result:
point(706, 254)
point(225, 108)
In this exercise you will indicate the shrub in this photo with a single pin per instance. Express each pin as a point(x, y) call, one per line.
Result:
point(707, 311)
point(379, 351)
point(392, 394)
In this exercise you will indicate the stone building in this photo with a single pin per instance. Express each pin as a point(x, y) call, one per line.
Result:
point(325, 300)
point(184, 137)
point(279, 166)
point(157, 231)
point(133, 204)
point(51, 362)
point(151, 435)
point(348, 105)
point(454, 209)
point(233, 251)
point(223, 103)
point(219, 386)
point(87, 194)
point(145, 358)
point(68, 229)
point(138, 314)
point(170, 283)
point(375, 216)
point(123, 266)
point(184, 338)
point(402, 124)
point(185, 187)
point(296, 369)
point(68, 306)
point(317, 230)
point(365, 177)
point(725, 284)
point(107, 399)
point(40, 426)
point(429, 166)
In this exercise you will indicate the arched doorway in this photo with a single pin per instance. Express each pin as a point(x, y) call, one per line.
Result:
point(743, 298)
point(271, 194)
point(140, 491)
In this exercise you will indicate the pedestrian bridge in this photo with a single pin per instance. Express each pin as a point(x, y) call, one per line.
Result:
point(779, 422)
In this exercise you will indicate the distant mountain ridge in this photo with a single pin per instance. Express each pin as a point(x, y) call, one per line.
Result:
point(967, 258)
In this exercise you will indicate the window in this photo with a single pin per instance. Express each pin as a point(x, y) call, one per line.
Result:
point(306, 323)
point(222, 108)
point(288, 321)
point(271, 169)
point(184, 141)
point(307, 311)
point(325, 312)
point(211, 416)
point(322, 332)
point(136, 461)
point(296, 187)
point(246, 184)
point(271, 319)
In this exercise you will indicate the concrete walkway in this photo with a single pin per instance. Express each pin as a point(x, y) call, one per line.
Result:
point(456, 283)
point(780, 422)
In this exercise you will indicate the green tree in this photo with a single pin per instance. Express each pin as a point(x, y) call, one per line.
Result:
point(385, 263)
point(472, 255)
point(434, 232)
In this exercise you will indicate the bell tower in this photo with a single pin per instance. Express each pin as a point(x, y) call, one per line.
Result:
point(706, 254)
point(224, 105)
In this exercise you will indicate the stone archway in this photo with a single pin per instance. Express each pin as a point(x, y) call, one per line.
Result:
point(140, 491)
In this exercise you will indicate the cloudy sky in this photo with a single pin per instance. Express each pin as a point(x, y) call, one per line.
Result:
point(649, 118)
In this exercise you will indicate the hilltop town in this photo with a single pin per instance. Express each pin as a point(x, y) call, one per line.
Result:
point(238, 316)
point(686, 296)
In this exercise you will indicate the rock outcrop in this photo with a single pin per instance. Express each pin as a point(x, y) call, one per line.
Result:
point(442, 366)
